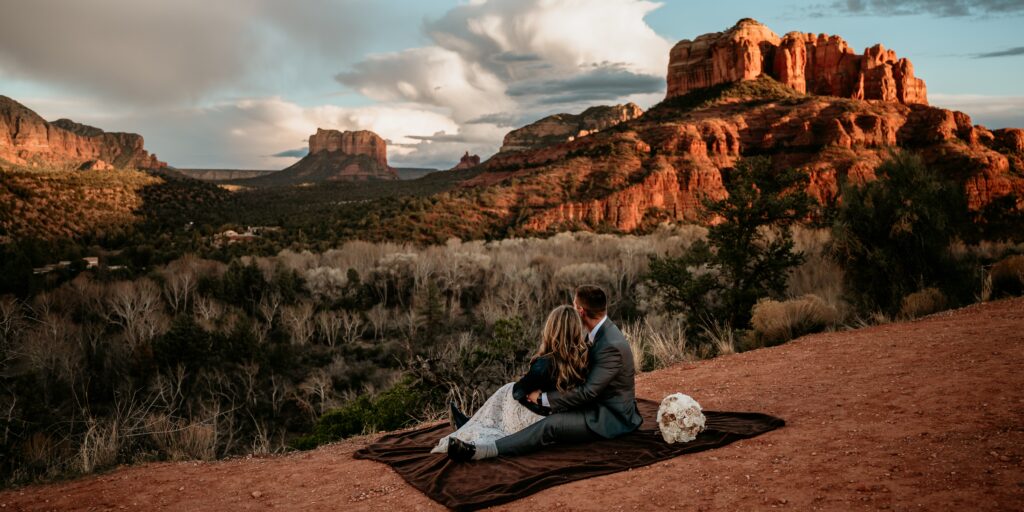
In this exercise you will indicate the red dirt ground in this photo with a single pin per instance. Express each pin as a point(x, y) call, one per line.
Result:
point(924, 415)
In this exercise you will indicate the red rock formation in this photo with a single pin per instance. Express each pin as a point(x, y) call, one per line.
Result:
point(363, 142)
point(28, 139)
point(336, 156)
point(467, 161)
point(561, 128)
point(817, 64)
point(658, 167)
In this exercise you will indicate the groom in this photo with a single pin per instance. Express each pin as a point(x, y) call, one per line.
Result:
point(603, 407)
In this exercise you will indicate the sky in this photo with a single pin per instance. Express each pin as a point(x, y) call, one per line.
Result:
point(241, 84)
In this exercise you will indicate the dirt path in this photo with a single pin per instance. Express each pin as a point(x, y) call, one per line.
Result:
point(926, 415)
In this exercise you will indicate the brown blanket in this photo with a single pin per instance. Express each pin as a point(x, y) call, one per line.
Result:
point(472, 485)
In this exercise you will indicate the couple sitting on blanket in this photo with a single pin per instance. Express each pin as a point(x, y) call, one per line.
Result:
point(579, 388)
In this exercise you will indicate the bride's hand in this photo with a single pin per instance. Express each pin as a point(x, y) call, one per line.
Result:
point(534, 397)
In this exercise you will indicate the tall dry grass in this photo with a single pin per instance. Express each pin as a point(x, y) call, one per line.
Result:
point(657, 342)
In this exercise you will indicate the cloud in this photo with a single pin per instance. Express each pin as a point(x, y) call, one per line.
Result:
point(499, 56)
point(939, 8)
point(173, 71)
point(265, 133)
point(163, 52)
point(292, 153)
point(603, 83)
point(431, 76)
point(991, 111)
point(1011, 52)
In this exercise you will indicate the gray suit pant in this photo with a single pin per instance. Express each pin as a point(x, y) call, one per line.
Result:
point(559, 428)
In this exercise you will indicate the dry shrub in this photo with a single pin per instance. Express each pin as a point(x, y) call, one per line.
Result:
point(183, 439)
point(1008, 277)
point(924, 302)
point(722, 337)
point(776, 322)
point(43, 452)
point(100, 445)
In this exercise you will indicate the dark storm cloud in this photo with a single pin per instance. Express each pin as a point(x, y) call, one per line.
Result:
point(516, 57)
point(1011, 52)
point(940, 8)
point(601, 84)
point(293, 153)
point(501, 119)
point(440, 137)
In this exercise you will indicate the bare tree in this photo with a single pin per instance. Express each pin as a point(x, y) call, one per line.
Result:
point(319, 385)
point(207, 311)
point(180, 280)
point(378, 317)
point(12, 317)
point(352, 326)
point(268, 307)
point(299, 321)
point(329, 325)
point(136, 307)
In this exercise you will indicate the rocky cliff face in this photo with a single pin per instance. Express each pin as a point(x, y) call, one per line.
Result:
point(28, 139)
point(336, 156)
point(362, 142)
point(467, 161)
point(817, 64)
point(560, 128)
point(660, 166)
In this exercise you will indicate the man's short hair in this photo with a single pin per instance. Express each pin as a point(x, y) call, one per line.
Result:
point(593, 300)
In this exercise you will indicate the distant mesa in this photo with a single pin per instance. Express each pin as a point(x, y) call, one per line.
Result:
point(467, 161)
point(561, 128)
point(336, 156)
point(816, 64)
point(28, 139)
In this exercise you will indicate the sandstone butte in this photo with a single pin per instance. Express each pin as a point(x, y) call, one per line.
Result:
point(467, 161)
point(28, 139)
point(560, 128)
point(658, 166)
point(817, 64)
point(336, 156)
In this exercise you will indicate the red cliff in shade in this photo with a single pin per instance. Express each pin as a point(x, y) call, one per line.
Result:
point(816, 64)
point(467, 161)
point(28, 139)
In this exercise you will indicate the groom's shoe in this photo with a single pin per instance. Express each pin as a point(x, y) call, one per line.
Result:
point(455, 417)
point(459, 450)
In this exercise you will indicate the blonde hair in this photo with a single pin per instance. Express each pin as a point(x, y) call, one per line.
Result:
point(562, 340)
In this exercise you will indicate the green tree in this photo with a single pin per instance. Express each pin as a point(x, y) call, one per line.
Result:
point(892, 235)
point(749, 248)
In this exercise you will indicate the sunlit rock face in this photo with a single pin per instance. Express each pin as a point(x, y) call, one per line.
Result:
point(559, 128)
point(362, 142)
point(809, 63)
point(28, 139)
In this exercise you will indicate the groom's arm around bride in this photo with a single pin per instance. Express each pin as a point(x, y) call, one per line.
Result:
point(603, 407)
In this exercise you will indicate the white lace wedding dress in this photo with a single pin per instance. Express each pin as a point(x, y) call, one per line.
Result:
point(500, 416)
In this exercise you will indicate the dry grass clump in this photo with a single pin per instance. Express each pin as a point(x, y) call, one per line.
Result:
point(1007, 277)
point(100, 445)
point(776, 322)
point(656, 343)
point(924, 302)
point(181, 439)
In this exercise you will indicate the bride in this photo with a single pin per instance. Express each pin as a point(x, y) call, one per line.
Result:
point(560, 363)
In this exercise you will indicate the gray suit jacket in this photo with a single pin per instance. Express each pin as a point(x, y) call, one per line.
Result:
point(608, 397)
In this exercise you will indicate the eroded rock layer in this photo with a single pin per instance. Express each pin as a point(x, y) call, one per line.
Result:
point(818, 64)
point(28, 139)
point(560, 128)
